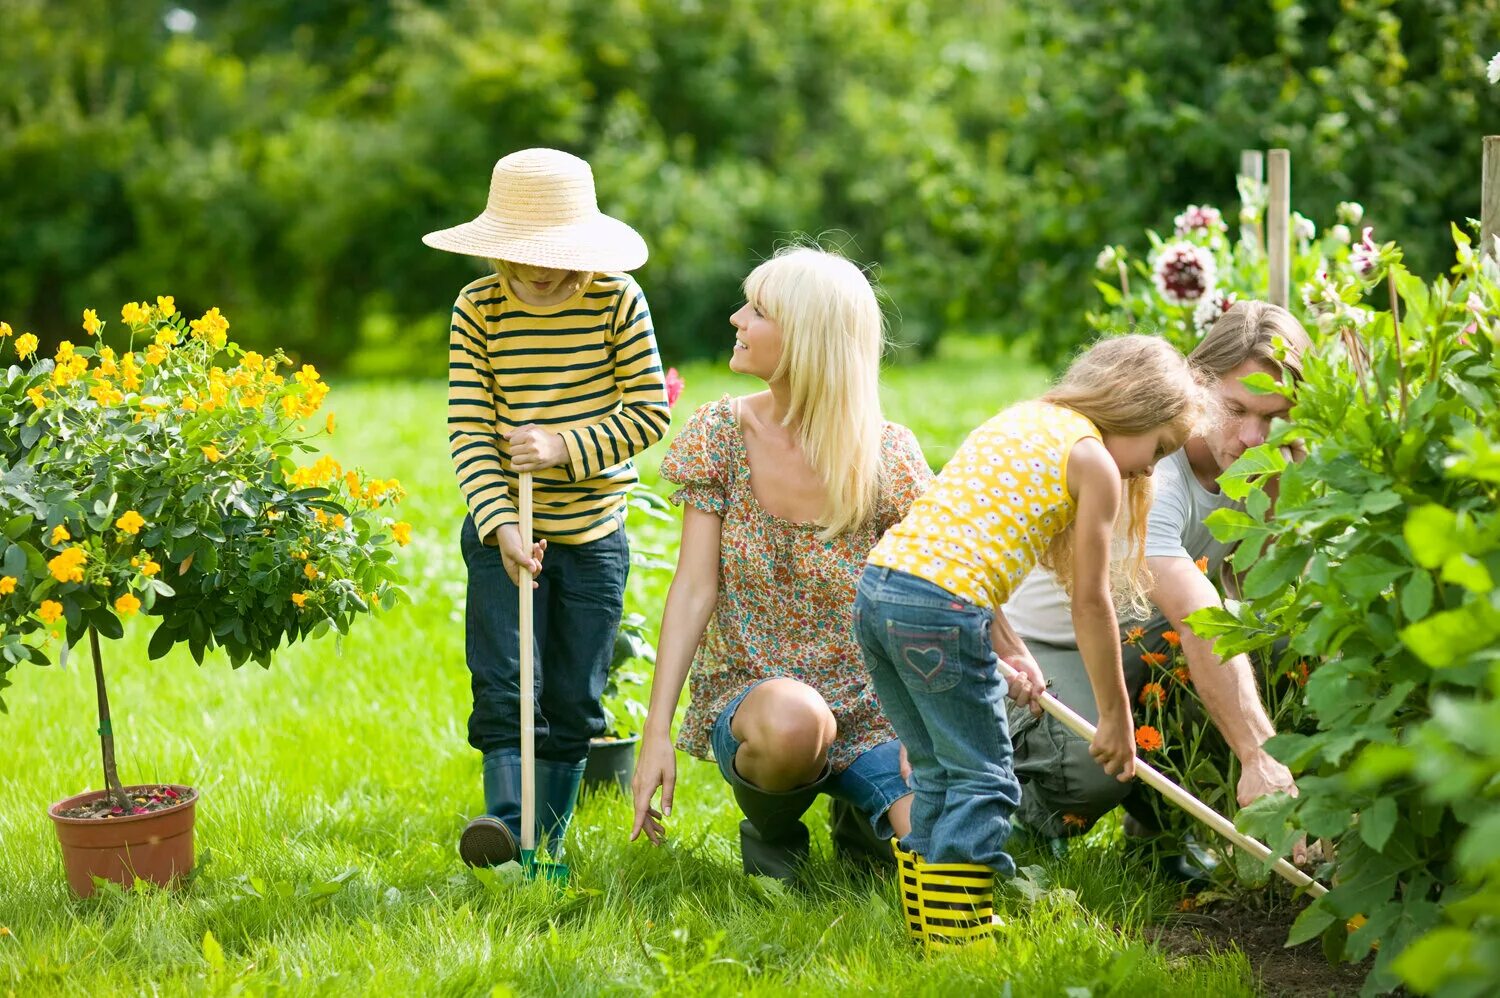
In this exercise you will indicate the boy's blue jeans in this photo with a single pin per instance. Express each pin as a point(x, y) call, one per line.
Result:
point(936, 674)
point(576, 606)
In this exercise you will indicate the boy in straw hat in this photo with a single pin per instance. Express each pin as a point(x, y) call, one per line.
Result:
point(553, 370)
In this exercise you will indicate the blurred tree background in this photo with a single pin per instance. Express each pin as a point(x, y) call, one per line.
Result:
point(282, 159)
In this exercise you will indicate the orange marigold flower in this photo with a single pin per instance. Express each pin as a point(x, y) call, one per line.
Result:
point(1134, 634)
point(1298, 674)
point(1152, 694)
point(49, 611)
point(1172, 638)
point(1154, 658)
point(1202, 564)
point(1147, 738)
point(1074, 821)
point(127, 605)
point(1183, 676)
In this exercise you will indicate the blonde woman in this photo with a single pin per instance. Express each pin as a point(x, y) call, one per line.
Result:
point(1040, 482)
point(784, 493)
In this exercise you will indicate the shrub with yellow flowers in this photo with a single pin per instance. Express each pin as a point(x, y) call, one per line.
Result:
point(154, 473)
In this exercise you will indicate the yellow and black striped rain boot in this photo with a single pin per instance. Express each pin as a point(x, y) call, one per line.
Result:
point(908, 891)
point(956, 903)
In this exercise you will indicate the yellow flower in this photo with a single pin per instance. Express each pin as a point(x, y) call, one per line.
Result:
point(68, 566)
point(320, 516)
point(38, 397)
point(166, 337)
point(338, 521)
point(64, 351)
point(7, 585)
point(300, 599)
point(130, 374)
point(91, 322)
point(402, 532)
point(130, 522)
point(328, 424)
point(308, 375)
point(60, 534)
point(166, 305)
point(135, 313)
point(127, 605)
point(212, 327)
point(150, 568)
point(155, 354)
point(106, 394)
point(252, 400)
point(25, 345)
point(351, 482)
point(310, 571)
point(4, 330)
point(107, 364)
point(212, 453)
point(49, 611)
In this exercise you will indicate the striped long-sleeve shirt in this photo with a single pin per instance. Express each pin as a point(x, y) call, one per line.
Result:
point(586, 369)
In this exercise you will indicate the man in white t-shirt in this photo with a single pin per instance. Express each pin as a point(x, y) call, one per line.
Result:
point(1064, 791)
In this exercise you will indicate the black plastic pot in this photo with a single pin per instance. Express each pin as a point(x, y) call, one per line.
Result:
point(611, 762)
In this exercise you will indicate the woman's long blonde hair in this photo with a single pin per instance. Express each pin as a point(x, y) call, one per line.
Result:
point(831, 340)
point(1127, 386)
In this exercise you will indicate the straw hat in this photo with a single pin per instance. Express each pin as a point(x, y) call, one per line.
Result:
point(543, 211)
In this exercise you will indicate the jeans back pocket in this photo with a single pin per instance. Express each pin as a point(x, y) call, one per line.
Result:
point(927, 656)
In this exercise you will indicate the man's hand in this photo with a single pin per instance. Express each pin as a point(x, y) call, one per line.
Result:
point(513, 552)
point(533, 448)
point(1261, 775)
point(1027, 684)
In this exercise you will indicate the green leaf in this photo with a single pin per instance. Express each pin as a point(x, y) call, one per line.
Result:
point(161, 642)
point(1310, 924)
point(213, 953)
point(1416, 595)
point(1452, 635)
point(1254, 464)
point(1431, 532)
point(1464, 570)
point(1376, 823)
point(16, 527)
point(1435, 958)
point(1229, 525)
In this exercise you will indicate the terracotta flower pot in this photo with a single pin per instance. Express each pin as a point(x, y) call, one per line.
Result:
point(156, 847)
point(610, 761)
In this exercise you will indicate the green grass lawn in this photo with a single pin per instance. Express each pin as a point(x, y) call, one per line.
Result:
point(334, 785)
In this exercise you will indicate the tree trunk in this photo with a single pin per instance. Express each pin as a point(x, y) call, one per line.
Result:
point(106, 732)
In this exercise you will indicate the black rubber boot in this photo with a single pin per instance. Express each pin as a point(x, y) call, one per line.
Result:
point(773, 840)
point(854, 841)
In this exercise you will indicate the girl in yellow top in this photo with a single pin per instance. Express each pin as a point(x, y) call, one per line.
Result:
point(1040, 482)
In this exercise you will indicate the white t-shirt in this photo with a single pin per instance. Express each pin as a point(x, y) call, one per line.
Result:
point(1039, 609)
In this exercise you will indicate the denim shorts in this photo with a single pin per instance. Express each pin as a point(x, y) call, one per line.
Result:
point(872, 782)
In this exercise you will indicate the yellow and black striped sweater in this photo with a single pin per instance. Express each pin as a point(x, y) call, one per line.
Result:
point(586, 368)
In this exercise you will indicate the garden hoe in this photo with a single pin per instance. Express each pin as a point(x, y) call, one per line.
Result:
point(532, 866)
point(1192, 805)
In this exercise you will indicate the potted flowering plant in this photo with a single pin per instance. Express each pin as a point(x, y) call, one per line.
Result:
point(156, 478)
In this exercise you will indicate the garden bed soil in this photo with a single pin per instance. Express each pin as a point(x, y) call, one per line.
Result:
point(1299, 972)
point(143, 800)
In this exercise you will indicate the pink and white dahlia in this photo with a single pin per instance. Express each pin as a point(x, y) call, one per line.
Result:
point(1210, 307)
point(1200, 222)
point(1365, 256)
point(1184, 272)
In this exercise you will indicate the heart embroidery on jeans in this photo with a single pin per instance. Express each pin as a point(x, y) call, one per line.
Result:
point(925, 662)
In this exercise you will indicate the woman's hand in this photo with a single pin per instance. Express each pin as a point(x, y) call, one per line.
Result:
point(1113, 746)
point(655, 766)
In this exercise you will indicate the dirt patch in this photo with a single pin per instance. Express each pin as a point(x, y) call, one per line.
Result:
point(142, 800)
point(1259, 933)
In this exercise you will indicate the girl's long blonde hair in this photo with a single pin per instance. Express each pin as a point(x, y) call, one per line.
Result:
point(831, 340)
point(1127, 386)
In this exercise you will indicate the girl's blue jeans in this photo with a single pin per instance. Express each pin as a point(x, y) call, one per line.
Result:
point(576, 608)
point(936, 674)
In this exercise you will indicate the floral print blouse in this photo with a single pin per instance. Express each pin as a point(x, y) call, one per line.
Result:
point(786, 598)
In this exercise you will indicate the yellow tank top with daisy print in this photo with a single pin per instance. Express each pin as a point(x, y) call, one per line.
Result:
point(993, 509)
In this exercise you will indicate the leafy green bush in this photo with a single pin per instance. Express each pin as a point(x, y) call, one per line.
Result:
point(150, 480)
point(1378, 562)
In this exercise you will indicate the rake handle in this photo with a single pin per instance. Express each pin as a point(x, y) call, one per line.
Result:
point(1174, 793)
point(528, 688)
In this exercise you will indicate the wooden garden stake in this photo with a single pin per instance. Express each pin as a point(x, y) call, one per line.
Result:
point(1253, 167)
point(1279, 227)
point(1174, 793)
point(1489, 212)
point(528, 689)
